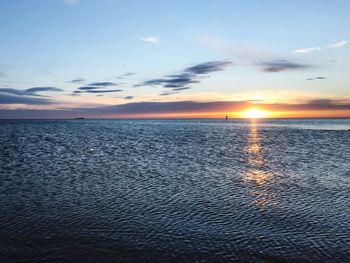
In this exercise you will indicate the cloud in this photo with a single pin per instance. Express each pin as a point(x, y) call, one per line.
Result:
point(29, 92)
point(92, 90)
point(40, 89)
point(182, 88)
point(88, 88)
point(128, 74)
point(13, 99)
point(317, 78)
point(208, 67)
point(13, 91)
point(171, 81)
point(78, 80)
point(72, 2)
point(314, 49)
point(307, 50)
point(129, 97)
point(338, 44)
point(95, 87)
point(102, 91)
point(313, 105)
point(167, 93)
point(102, 84)
point(324, 102)
point(187, 76)
point(153, 40)
point(282, 65)
point(76, 93)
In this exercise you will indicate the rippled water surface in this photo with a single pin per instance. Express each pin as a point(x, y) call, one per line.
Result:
point(175, 191)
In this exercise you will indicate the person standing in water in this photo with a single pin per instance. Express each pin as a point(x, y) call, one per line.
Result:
point(226, 117)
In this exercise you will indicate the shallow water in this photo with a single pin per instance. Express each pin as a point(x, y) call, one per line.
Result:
point(175, 191)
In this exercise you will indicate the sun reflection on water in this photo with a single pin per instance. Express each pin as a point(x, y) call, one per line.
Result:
point(257, 172)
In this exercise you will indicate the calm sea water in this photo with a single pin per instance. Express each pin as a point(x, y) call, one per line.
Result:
point(175, 191)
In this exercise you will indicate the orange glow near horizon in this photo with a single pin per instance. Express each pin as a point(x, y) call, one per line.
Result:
point(250, 112)
point(275, 113)
point(255, 113)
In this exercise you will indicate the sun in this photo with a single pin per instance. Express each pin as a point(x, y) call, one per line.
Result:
point(254, 113)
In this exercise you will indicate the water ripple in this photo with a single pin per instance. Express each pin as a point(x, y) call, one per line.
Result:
point(174, 191)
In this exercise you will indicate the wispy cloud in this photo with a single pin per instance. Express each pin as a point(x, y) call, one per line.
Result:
point(96, 87)
point(102, 84)
point(128, 74)
point(13, 99)
point(89, 88)
point(27, 96)
point(187, 76)
point(30, 91)
point(72, 2)
point(282, 65)
point(40, 89)
point(338, 44)
point(78, 80)
point(208, 67)
point(307, 50)
point(316, 78)
point(171, 81)
point(103, 91)
point(167, 93)
point(95, 90)
point(151, 39)
point(181, 88)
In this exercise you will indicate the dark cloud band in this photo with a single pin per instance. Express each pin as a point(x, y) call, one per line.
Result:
point(178, 107)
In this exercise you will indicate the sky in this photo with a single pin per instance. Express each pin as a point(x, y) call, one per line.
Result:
point(174, 59)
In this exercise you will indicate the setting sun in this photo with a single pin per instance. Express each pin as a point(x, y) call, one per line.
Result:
point(254, 113)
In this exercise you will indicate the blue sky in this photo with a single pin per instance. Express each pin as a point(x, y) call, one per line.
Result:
point(270, 51)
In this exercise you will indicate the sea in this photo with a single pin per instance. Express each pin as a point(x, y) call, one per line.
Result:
point(195, 190)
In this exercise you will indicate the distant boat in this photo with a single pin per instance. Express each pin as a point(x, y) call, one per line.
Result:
point(80, 118)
